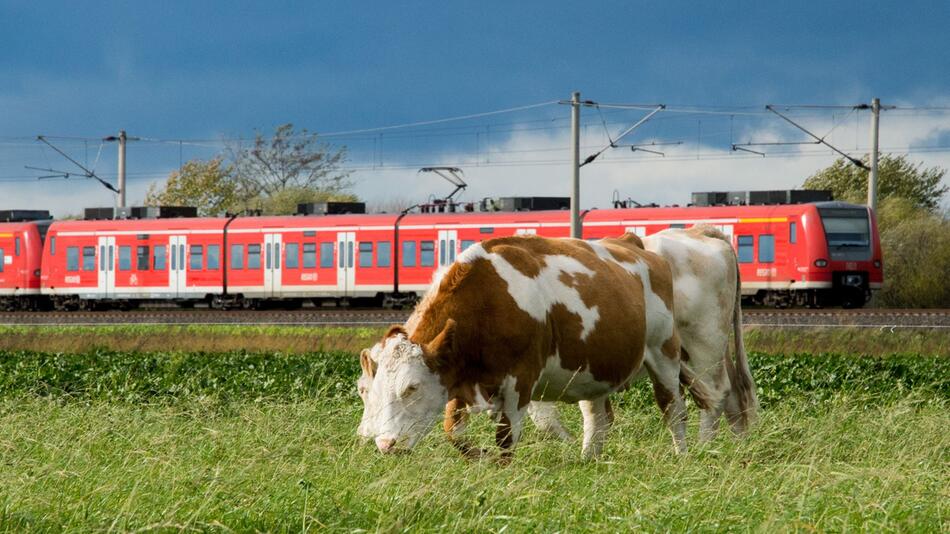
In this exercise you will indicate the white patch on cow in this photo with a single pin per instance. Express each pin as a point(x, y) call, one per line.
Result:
point(538, 295)
point(556, 383)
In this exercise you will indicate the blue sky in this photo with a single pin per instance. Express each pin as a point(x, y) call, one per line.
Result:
point(203, 70)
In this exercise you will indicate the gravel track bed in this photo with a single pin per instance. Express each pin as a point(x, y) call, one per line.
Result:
point(374, 317)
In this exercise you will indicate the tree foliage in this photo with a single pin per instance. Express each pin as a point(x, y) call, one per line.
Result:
point(916, 263)
point(207, 185)
point(897, 177)
point(274, 173)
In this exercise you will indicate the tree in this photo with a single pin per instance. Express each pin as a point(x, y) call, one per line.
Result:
point(897, 177)
point(275, 173)
point(207, 185)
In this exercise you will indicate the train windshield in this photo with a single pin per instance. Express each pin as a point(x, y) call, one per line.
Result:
point(848, 233)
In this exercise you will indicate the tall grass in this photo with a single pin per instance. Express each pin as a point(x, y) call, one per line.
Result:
point(295, 466)
point(244, 441)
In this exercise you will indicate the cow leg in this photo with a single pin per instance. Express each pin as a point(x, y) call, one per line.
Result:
point(546, 418)
point(508, 431)
point(454, 424)
point(598, 417)
point(664, 373)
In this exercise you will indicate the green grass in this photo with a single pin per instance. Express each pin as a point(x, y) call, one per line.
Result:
point(240, 441)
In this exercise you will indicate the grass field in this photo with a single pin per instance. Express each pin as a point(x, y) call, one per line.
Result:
point(240, 441)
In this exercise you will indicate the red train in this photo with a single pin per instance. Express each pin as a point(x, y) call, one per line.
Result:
point(814, 254)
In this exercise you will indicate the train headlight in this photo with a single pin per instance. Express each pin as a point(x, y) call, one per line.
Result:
point(877, 264)
point(821, 263)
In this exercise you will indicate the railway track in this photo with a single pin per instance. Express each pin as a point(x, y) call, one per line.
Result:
point(868, 318)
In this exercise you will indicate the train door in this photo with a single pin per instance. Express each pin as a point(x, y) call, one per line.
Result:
point(177, 272)
point(272, 272)
point(345, 265)
point(106, 266)
point(447, 246)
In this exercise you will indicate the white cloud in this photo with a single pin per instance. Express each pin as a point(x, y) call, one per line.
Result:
point(650, 178)
point(514, 167)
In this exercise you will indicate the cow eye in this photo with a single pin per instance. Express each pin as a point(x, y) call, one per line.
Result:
point(409, 390)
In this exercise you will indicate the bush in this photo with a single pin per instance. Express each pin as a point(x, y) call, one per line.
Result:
point(916, 262)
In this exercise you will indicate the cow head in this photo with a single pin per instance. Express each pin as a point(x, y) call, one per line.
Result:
point(406, 395)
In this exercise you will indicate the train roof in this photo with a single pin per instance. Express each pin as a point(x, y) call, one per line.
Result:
point(385, 220)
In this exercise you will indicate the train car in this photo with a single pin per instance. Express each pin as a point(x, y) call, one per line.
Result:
point(21, 248)
point(127, 261)
point(813, 254)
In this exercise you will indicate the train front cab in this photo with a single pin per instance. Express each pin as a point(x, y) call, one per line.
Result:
point(844, 253)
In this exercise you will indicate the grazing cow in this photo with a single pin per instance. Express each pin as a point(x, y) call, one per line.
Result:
point(706, 300)
point(544, 414)
point(522, 318)
point(706, 309)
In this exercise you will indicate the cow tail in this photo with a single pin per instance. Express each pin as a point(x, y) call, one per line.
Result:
point(698, 390)
point(743, 387)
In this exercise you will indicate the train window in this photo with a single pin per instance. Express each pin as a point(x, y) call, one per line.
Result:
point(427, 253)
point(486, 230)
point(291, 255)
point(766, 248)
point(408, 253)
point(72, 258)
point(792, 232)
point(141, 258)
point(310, 255)
point(88, 258)
point(158, 258)
point(237, 256)
point(52, 246)
point(677, 225)
point(16, 246)
point(442, 256)
point(253, 256)
point(195, 258)
point(745, 249)
point(366, 254)
point(1, 260)
point(326, 255)
point(125, 258)
point(214, 255)
point(383, 252)
point(467, 243)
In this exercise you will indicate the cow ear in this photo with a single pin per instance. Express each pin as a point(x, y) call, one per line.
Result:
point(395, 330)
point(441, 350)
point(367, 363)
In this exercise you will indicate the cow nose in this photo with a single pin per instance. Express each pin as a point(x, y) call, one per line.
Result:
point(385, 444)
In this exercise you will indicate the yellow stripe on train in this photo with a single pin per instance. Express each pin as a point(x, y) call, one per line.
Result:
point(763, 219)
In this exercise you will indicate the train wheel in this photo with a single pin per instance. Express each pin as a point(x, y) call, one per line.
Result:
point(852, 298)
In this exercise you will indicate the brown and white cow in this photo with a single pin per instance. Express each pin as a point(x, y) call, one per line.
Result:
point(522, 318)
